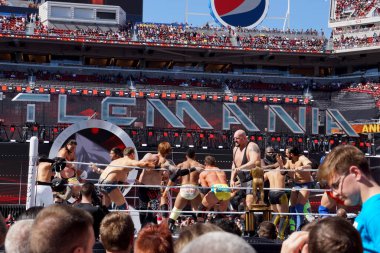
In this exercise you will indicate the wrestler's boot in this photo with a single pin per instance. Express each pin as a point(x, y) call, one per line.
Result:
point(299, 217)
point(201, 216)
point(307, 211)
point(283, 227)
point(173, 217)
point(292, 220)
point(165, 208)
point(275, 219)
point(171, 224)
point(143, 215)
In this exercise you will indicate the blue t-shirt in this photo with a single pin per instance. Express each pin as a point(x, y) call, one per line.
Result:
point(368, 224)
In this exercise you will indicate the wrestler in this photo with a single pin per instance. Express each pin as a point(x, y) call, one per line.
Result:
point(267, 163)
point(189, 191)
point(329, 204)
point(278, 198)
point(214, 186)
point(245, 154)
point(258, 183)
point(114, 175)
point(150, 197)
point(45, 171)
point(115, 153)
point(299, 198)
point(68, 152)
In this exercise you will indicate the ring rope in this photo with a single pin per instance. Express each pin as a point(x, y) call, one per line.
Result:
point(201, 187)
point(163, 169)
point(225, 212)
point(110, 165)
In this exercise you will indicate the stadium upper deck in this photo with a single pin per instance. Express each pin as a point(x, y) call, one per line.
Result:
point(355, 25)
point(174, 47)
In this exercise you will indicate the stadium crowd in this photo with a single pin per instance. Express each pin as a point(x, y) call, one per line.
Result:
point(355, 8)
point(235, 85)
point(368, 87)
point(12, 24)
point(282, 43)
point(346, 42)
point(177, 34)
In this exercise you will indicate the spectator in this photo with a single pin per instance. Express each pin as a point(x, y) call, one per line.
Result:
point(62, 229)
point(17, 240)
point(341, 212)
point(267, 230)
point(91, 203)
point(334, 235)
point(229, 226)
point(117, 232)
point(216, 242)
point(329, 235)
point(190, 233)
point(346, 170)
point(30, 213)
point(154, 239)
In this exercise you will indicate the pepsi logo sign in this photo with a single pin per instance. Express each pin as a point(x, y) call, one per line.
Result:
point(243, 13)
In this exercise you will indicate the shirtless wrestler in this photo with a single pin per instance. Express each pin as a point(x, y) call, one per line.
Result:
point(45, 171)
point(278, 198)
point(114, 175)
point(302, 179)
point(189, 172)
point(68, 152)
point(214, 183)
point(150, 197)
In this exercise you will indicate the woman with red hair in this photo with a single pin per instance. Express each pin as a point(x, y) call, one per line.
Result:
point(154, 239)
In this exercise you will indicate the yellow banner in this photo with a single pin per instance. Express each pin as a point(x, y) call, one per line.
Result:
point(366, 128)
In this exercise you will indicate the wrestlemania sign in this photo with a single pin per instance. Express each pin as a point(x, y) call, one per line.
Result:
point(239, 13)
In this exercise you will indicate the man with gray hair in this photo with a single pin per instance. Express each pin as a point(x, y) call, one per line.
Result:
point(17, 239)
point(218, 242)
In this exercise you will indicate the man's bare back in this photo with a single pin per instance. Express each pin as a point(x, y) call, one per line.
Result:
point(193, 177)
point(152, 177)
point(276, 179)
point(44, 172)
point(119, 174)
point(211, 177)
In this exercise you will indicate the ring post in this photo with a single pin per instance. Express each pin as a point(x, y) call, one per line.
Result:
point(31, 188)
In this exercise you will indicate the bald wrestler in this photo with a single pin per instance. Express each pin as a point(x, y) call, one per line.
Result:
point(245, 154)
point(258, 182)
point(189, 192)
point(214, 178)
point(278, 198)
point(114, 175)
point(299, 197)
